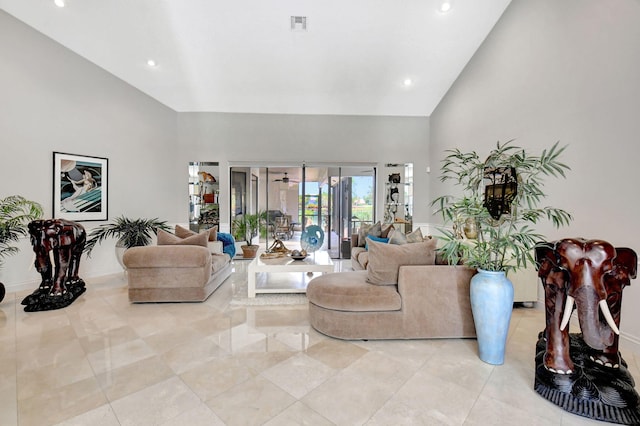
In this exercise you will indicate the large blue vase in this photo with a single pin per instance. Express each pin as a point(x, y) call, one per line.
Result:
point(491, 303)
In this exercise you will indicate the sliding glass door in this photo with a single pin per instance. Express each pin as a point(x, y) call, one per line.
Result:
point(338, 198)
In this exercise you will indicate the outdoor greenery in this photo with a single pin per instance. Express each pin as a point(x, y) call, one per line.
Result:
point(245, 227)
point(128, 232)
point(15, 214)
point(507, 243)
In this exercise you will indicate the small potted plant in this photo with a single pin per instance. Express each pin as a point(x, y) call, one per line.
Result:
point(128, 232)
point(245, 228)
point(15, 214)
point(499, 207)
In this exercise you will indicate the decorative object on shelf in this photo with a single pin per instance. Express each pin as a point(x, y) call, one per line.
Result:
point(504, 244)
point(312, 238)
point(80, 187)
point(246, 227)
point(585, 373)
point(66, 239)
point(15, 214)
point(298, 254)
point(394, 178)
point(128, 232)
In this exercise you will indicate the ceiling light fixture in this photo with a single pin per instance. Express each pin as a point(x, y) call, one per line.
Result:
point(445, 6)
point(152, 63)
point(59, 3)
point(407, 82)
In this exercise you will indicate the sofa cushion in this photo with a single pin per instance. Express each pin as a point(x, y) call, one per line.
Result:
point(219, 261)
point(168, 239)
point(183, 232)
point(385, 259)
point(349, 291)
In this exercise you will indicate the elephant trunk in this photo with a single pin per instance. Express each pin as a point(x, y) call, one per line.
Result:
point(596, 333)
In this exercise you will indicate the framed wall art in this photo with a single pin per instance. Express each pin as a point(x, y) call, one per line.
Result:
point(80, 187)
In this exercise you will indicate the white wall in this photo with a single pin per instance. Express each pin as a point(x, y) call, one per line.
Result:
point(561, 70)
point(53, 100)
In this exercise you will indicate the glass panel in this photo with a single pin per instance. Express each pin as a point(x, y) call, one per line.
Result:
point(204, 193)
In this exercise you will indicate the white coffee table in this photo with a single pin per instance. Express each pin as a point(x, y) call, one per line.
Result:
point(316, 262)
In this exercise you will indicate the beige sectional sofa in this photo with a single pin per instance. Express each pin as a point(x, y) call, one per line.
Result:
point(403, 294)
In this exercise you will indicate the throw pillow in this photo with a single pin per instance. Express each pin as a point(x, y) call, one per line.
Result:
point(415, 236)
point(378, 239)
point(183, 232)
point(386, 259)
point(397, 237)
point(168, 239)
point(375, 230)
point(387, 231)
point(228, 243)
point(363, 231)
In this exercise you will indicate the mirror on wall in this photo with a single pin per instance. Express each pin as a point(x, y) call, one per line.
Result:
point(204, 193)
point(398, 203)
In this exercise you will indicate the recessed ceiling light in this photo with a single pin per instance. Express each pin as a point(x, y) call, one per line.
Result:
point(445, 6)
point(152, 63)
point(407, 82)
point(59, 3)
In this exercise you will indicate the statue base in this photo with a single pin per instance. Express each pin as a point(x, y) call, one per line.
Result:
point(41, 300)
point(592, 391)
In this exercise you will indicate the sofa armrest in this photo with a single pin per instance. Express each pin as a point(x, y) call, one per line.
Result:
point(169, 256)
point(354, 240)
point(215, 247)
point(438, 294)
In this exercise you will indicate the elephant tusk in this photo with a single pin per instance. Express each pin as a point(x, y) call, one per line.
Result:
point(607, 315)
point(568, 309)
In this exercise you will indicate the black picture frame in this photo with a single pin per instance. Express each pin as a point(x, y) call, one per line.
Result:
point(80, 187)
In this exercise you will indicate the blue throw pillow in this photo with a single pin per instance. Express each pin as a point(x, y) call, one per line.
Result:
point(378, 239)
point(228, 243)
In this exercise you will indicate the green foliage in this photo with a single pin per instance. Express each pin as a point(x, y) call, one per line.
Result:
point(15, 214)
point(130, 232)
point(505, 244)
point(245, 227)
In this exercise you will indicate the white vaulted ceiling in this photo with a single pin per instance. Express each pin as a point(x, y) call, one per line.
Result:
point(242, 56)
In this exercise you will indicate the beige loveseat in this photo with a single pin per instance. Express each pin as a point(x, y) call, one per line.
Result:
point(426, 300)
point(176, 270)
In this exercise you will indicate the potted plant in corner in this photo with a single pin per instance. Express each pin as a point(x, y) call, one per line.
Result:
point(499, 206)
point(129, 233)
point(15, 214)
point(245, 228)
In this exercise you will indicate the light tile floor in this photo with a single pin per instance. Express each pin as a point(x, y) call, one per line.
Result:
point(104, 361)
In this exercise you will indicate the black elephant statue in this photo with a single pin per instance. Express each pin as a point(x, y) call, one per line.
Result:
point(59, 288)
point(584, 373)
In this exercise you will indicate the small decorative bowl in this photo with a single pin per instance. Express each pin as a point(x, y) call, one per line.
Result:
point(298, 255)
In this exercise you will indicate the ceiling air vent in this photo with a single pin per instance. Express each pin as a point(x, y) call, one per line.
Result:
point(298, 23)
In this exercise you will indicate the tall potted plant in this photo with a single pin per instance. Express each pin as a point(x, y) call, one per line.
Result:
point(128, 232)
point(499, 206)
point(245, 228)
point(15, 214)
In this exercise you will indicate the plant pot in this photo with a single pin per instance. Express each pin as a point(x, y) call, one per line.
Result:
point(120, 249)
point(249, 252)
point(491, 304)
